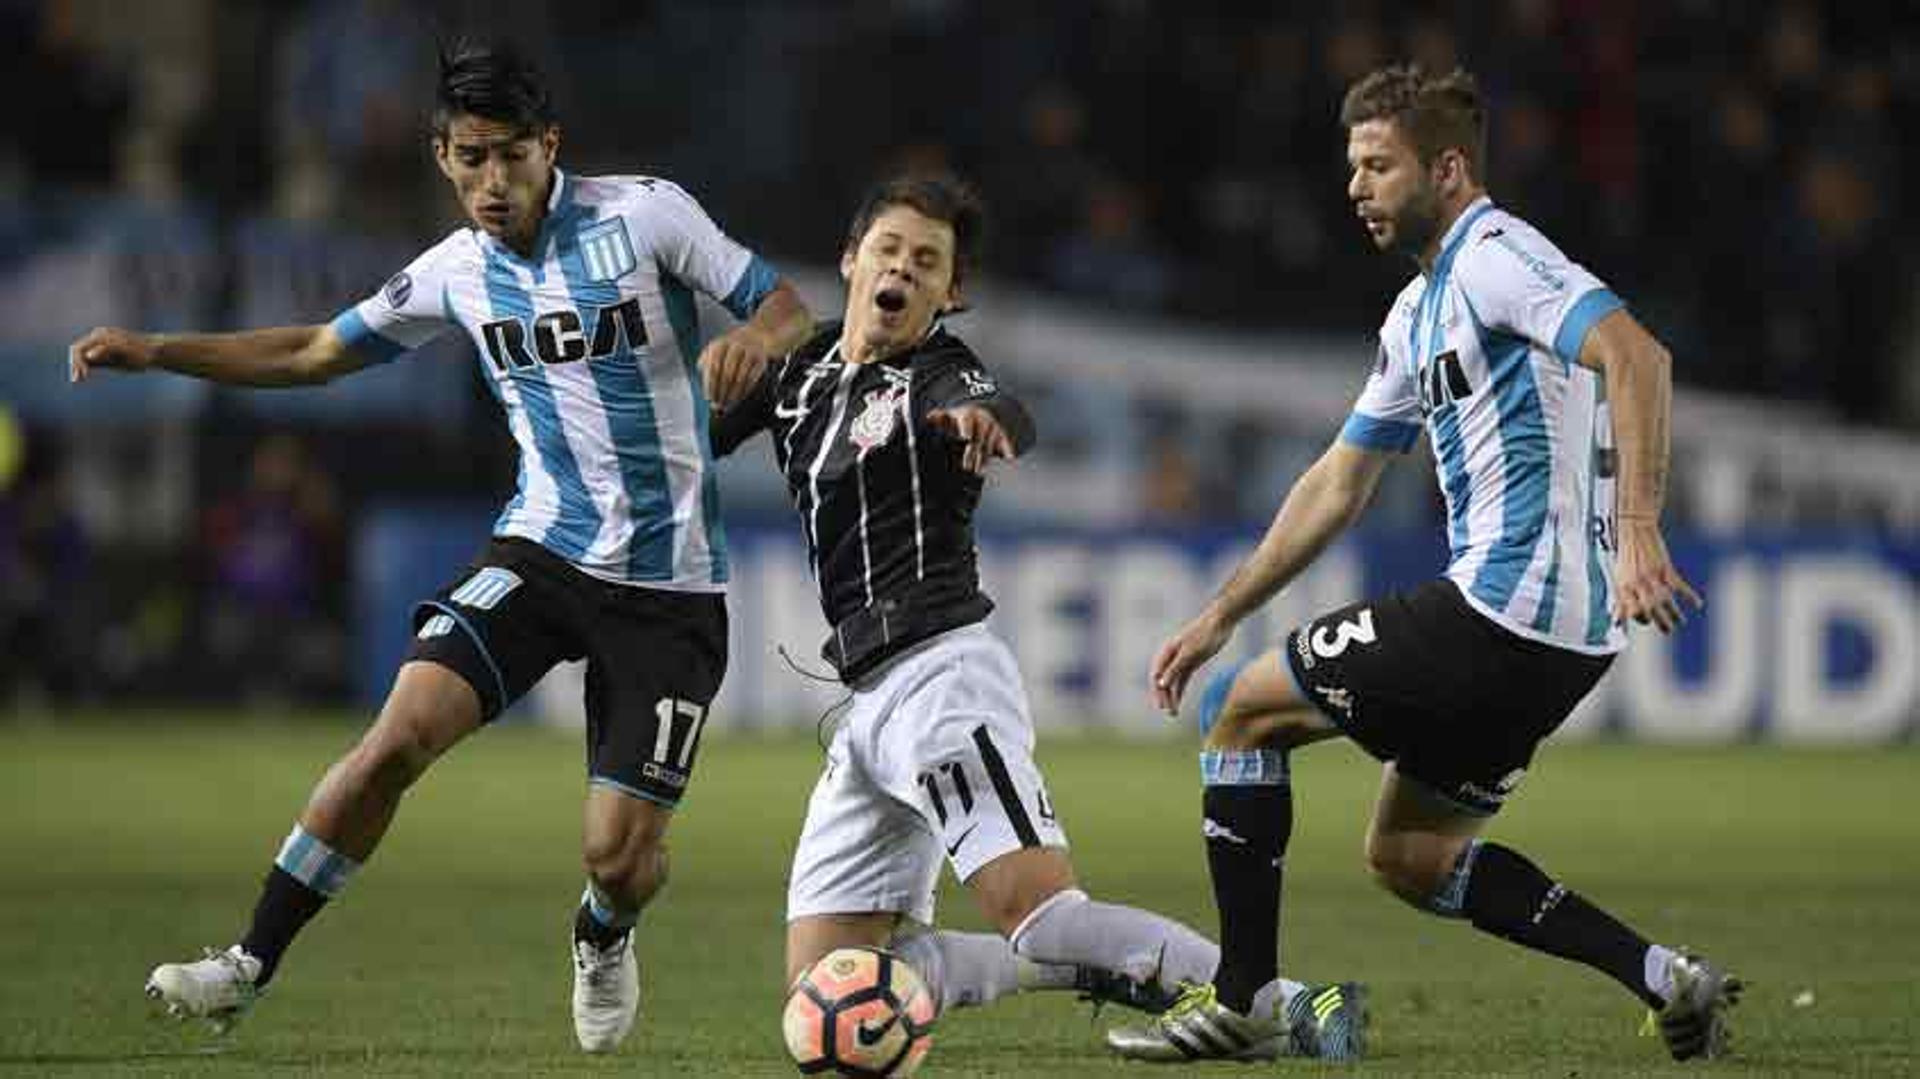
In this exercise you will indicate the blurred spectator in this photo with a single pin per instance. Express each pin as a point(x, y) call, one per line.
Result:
point(271, 551)
point(1171, 486)
point(44, 559)
point(1036, 183)
point(356, 80)
point(69, 102)
point(1111, 256)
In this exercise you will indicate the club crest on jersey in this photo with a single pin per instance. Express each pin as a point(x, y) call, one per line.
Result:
point(876, 421)
point(606, 251)
point(398, 288)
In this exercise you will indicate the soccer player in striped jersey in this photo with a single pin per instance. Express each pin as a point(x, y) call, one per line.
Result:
point(578, 295)
point(1546, 406)
point(883, 425)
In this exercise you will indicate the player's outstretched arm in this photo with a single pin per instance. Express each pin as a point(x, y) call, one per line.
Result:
point(1324, 502)
point(1639, 374)
point(732, 363)
point(281, 356)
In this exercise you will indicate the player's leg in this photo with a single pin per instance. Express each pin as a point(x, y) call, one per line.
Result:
point(958, 748)
point(655, 661)
point(478, 645)
point(1251, 717)
point(429, 709)
point(1423, 846)
point(864, 872)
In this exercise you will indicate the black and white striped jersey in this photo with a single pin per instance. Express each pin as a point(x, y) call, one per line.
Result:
point(884, 502)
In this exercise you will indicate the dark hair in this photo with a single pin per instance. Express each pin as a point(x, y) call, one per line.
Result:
point(1437, 113)
point(493, 81)
point(941, 197)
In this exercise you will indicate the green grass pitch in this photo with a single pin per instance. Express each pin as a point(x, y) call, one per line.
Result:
point(130, 841)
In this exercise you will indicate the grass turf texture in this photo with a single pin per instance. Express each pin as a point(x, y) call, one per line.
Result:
point(128, 842)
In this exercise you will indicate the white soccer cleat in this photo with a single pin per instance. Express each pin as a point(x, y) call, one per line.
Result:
point(606, 993)
point(1694, 1023)
point(1199, 1027)
point(219, 987)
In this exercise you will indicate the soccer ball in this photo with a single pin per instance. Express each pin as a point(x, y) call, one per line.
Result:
point(860, 1012)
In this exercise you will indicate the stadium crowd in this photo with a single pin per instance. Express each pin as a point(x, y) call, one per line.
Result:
point(1732, 168)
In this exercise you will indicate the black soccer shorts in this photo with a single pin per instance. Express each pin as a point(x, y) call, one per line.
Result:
point(1424, 680)
point(655, 657)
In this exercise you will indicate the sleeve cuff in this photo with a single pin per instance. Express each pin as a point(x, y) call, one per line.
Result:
point(1587, 310)
point(755, 282)
point(1372, 433)
point(362, 338)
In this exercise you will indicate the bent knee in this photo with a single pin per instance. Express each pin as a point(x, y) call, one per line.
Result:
point(1254, 705)
point(396, 752)
point(1413, 869)
point(621, 859)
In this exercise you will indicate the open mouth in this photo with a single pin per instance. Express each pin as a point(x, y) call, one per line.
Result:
point(891, 300)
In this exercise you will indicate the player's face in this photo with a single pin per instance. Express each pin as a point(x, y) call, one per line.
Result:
point(1392, 191)
point(502, 175)
point(900, 278)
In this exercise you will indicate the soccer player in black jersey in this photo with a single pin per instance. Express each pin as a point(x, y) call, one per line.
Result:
point(883, 425)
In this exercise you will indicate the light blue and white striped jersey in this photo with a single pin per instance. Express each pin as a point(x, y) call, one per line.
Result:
point(1481, 350)
point(590, 348)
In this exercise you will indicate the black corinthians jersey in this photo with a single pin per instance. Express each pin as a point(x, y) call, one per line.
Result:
point(883, 500)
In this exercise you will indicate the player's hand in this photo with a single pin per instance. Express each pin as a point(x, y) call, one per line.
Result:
point(1646, 587)
point(982, 436)
point(1174, 664)
point(731, 364)
point(109, 347)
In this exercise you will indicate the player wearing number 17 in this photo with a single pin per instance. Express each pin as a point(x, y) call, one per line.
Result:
point(1546, 405)
point(577, 294)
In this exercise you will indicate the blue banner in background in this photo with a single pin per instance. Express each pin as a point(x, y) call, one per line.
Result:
point(1805, 638)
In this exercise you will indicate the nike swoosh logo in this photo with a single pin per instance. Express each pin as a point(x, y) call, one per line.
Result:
point(868, 1035)
point(953, 848)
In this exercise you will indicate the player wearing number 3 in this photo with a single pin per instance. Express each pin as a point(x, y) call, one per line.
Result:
point(577, 295)
point(1539, 393)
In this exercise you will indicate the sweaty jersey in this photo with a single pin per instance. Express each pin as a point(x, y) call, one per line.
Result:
point(886, 506)
point(590, 348)
point(1481, 351)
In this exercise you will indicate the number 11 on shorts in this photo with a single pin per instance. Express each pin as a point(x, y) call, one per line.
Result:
point(670, 712)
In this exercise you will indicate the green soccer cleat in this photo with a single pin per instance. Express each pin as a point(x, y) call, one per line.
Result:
point(1329, 1022)
point(1694, 1022)
point(1199, 1027)
point(218, 987)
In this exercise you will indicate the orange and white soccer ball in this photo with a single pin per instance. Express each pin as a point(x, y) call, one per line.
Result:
point(859, 1012)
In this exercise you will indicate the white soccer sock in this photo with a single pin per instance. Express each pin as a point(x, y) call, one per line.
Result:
point(1657, 968)
point(1274, 998)
point(1072, 929)
point(963, 969)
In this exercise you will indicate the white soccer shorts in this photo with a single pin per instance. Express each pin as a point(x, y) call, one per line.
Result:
point(934, 758)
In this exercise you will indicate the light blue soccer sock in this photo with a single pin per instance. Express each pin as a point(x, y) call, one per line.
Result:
point(315, 864)
point(305, 874)
point(599, 921)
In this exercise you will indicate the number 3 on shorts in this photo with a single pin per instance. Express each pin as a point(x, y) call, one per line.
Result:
point(1359, 628)
point(677, 752)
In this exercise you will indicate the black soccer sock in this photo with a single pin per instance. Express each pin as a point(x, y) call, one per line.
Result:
point(1510, 897)
point(597, 922)
point(285, 906)
point(594, 931)
point(1248, 807)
